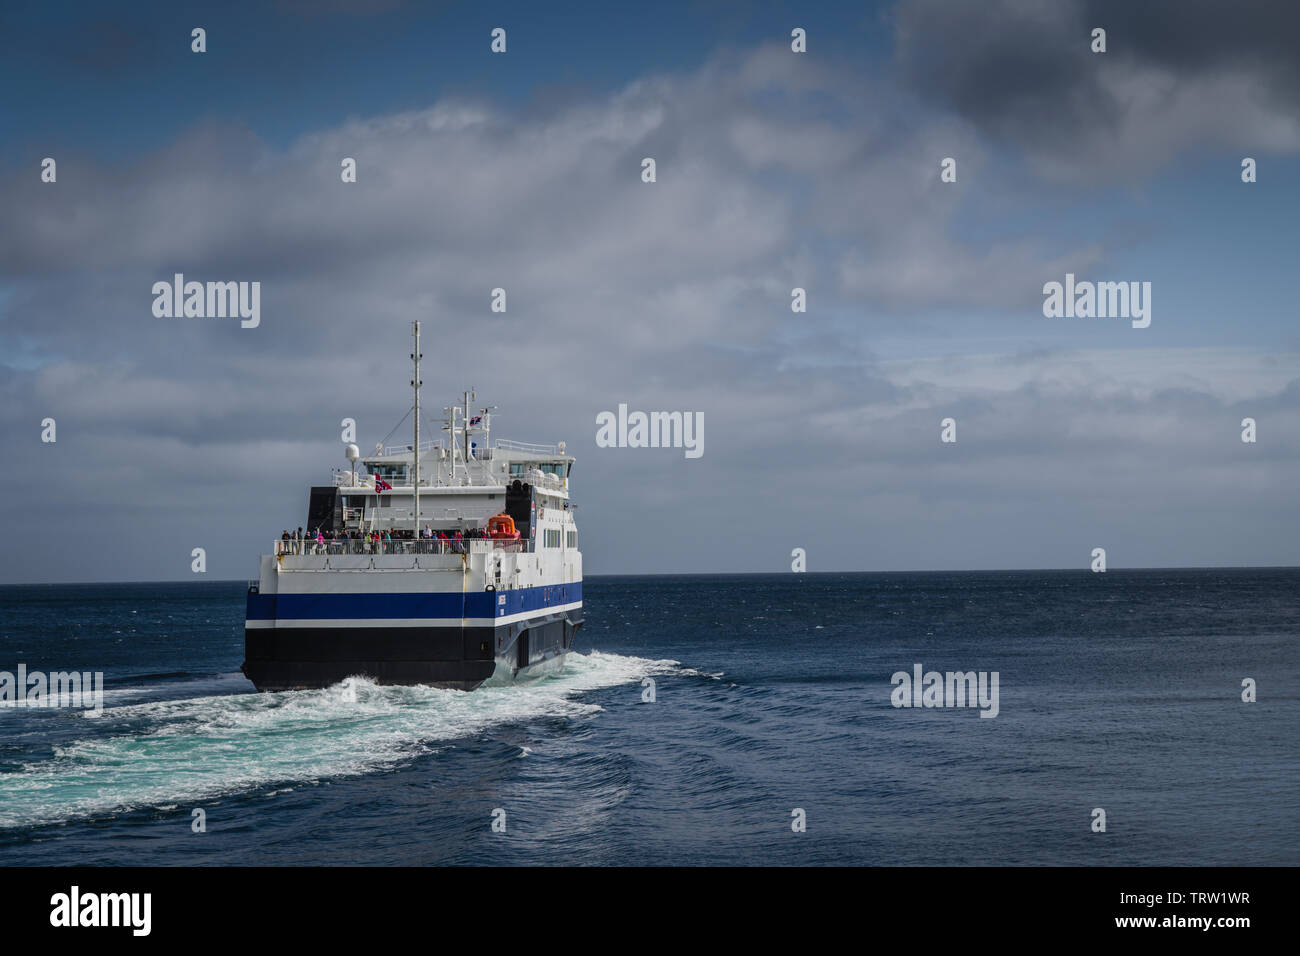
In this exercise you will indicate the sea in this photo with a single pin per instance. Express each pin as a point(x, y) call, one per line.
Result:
point(1144, 717)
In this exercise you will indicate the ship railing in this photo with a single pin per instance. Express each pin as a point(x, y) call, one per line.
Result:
point(526, 446)
point(343, 478)
point(510, 545)
point(281, 546)
point(389, 450)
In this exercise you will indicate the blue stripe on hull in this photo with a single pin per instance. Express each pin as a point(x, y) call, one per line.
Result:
point(442, 604)
point(281, 658)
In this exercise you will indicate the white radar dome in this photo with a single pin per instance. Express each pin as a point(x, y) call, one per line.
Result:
point(352, 452)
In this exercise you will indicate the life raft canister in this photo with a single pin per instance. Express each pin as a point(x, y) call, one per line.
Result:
point(502, 526)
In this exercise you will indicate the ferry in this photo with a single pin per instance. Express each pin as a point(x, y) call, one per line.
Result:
point(449, 564)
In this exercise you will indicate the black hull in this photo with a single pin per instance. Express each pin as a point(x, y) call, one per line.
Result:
point(277, 659)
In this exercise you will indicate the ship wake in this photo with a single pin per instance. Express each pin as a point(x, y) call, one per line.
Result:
point(163, 754)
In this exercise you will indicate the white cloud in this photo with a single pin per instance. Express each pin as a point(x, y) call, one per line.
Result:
point(673, 296)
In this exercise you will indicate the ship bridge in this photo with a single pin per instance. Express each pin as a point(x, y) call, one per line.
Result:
point(463, 480)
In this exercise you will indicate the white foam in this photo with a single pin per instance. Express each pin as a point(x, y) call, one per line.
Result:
point(174, 751)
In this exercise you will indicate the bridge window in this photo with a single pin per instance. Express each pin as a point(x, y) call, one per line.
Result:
point(518, 469)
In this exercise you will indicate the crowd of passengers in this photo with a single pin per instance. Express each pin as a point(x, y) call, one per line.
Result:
point(378, 542)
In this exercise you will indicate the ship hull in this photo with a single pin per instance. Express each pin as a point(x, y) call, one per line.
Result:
point(442, 619)
point(448, 655)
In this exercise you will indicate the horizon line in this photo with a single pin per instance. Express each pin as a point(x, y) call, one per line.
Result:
point(702, 574)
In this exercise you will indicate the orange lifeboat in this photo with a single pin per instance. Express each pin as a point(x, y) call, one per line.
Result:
point(502, 526)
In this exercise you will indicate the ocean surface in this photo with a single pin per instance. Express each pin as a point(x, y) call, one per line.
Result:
point(772, 693)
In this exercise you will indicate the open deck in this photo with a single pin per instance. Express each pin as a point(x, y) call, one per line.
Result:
point(401, 546)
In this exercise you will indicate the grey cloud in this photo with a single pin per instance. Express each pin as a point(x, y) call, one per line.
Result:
point(182, 433)
point(1175, 75)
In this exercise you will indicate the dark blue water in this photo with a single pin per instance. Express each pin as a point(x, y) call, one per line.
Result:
point(1119, 691)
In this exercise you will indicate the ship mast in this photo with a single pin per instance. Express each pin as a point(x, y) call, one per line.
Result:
point(449, 426)
point(415, 383)
point(469, 475)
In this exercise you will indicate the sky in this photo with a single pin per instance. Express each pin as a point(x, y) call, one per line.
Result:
point(775, 170)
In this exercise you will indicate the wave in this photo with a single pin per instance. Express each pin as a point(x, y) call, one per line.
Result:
point(168, 752)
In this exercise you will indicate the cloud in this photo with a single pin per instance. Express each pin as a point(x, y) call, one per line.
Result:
point(1175, 76)
point(774, 171)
